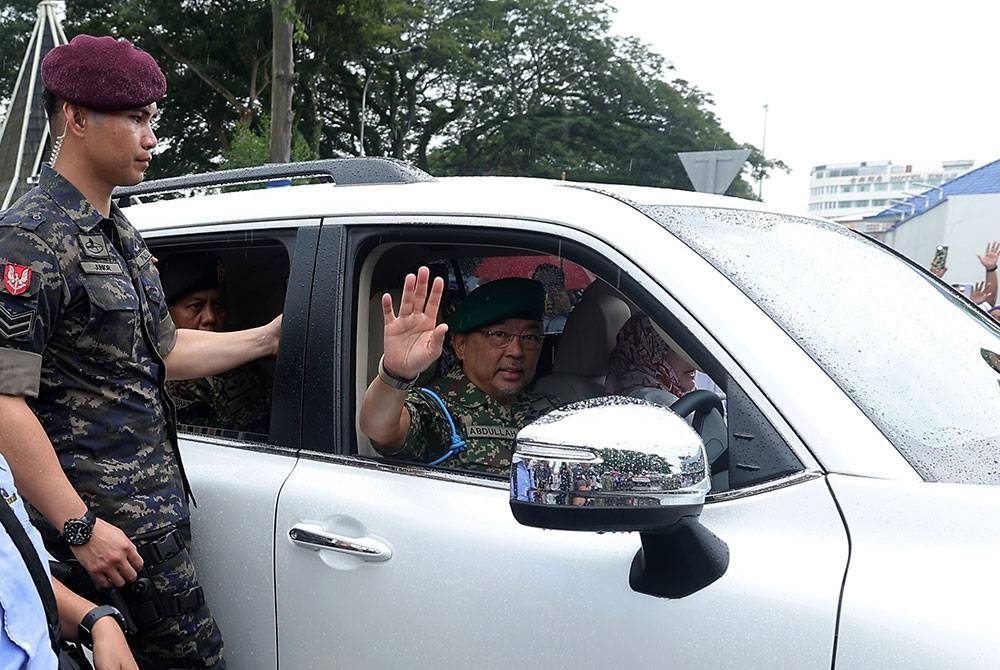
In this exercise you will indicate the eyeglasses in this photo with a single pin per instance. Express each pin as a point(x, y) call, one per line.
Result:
point(501, 338)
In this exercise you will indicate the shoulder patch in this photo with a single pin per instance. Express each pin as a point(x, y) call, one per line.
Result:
point(16, 278)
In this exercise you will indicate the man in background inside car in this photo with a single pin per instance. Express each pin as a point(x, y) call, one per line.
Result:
point(469, 418)
point(237, 399)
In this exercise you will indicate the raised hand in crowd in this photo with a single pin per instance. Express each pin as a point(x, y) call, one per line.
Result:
point(980, 294)
point(989, 261)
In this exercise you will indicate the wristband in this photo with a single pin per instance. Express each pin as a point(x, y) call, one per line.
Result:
point(992, 269)
point(84, 630)
point(391, 380)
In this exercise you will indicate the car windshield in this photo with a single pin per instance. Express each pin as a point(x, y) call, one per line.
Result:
point(914, 356)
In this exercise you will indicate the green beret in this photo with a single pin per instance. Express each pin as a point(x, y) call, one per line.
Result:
point(511, 298)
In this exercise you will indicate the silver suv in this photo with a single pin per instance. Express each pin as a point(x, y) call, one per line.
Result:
point(854, 512)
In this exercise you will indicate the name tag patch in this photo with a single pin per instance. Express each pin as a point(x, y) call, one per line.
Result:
point(94, 246)
point(98, 268)
point(492, 432)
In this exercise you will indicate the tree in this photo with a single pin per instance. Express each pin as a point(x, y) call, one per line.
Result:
point(521, 87)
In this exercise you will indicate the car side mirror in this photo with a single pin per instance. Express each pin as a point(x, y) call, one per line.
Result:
point(621, 464)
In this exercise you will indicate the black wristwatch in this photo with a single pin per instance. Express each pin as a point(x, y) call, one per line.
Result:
point(85, 629)
point(76, 532)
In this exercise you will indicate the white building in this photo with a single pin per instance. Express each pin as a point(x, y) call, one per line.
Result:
point(849, 192)
point(962, 214)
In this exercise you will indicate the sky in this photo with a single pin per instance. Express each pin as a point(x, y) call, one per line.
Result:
point(913, 83)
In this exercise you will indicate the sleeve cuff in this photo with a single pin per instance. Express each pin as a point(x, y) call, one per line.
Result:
point(20, 372)
point(168, 336)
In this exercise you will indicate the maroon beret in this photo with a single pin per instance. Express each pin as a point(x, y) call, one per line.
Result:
point(103, 73)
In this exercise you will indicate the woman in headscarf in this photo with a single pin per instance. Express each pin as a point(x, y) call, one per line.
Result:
point(642, 363)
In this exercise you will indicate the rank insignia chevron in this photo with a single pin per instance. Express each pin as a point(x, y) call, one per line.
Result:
point(14, 325)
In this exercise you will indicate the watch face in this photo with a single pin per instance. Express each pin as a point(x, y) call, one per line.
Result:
point(77, 532)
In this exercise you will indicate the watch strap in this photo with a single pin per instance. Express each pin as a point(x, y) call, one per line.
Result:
point(394, 381)
point(86, 627)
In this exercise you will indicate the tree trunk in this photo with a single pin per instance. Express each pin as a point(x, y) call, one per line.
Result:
point(283, 69)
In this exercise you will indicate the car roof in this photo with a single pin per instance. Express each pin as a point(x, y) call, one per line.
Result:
point(531, 198)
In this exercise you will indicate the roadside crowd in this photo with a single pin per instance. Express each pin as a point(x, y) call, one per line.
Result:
point(983, 293)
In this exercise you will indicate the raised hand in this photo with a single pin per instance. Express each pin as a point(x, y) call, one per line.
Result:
point(989, 259)
point(413, 339)
point(980, 293)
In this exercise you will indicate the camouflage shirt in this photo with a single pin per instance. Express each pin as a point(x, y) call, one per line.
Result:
point(83, 329)
point(239, 399)
point(488, 426)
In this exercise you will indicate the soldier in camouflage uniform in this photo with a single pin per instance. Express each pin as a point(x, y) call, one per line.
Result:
point(238, 399)
point(86, 344)
point(497, 337)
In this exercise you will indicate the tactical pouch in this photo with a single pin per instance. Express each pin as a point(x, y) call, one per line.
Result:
point(149, 605)
point(140, 602)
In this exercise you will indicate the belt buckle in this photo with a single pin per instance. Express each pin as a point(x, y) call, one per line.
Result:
point(166, 547)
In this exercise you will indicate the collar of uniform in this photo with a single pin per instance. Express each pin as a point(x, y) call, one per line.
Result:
point(463, 392)
point(69, 199)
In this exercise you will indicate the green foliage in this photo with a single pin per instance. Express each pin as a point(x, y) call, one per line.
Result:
point(514, 87)
point(249, 145)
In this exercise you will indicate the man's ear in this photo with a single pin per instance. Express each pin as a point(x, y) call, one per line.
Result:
point(76, 118)
point(458, 341)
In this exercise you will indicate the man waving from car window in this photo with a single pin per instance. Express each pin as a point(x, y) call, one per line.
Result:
point(468, 418)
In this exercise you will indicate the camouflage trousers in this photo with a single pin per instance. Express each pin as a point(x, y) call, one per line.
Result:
point(186, 640)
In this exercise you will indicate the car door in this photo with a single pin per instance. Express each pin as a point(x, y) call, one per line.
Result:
point(235, 476)
point(425, 567)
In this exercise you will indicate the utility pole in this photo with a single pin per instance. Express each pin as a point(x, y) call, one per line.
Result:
point(763, 146)
point(283, 67)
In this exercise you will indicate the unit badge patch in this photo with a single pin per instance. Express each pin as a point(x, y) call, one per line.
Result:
point(16, 278)
point(94, 246)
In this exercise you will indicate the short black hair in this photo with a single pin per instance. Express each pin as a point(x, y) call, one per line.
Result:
point(549, 273)
point(51, 102)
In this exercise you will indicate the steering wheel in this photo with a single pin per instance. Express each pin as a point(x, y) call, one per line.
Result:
point(701, 402)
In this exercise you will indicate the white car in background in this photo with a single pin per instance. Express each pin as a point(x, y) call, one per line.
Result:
point(854, 516)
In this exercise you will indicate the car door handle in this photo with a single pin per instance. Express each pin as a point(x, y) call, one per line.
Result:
point(311, 536)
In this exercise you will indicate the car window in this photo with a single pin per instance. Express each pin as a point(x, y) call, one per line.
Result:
point(576, 356)
point(911, 353)
point(217, 284)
